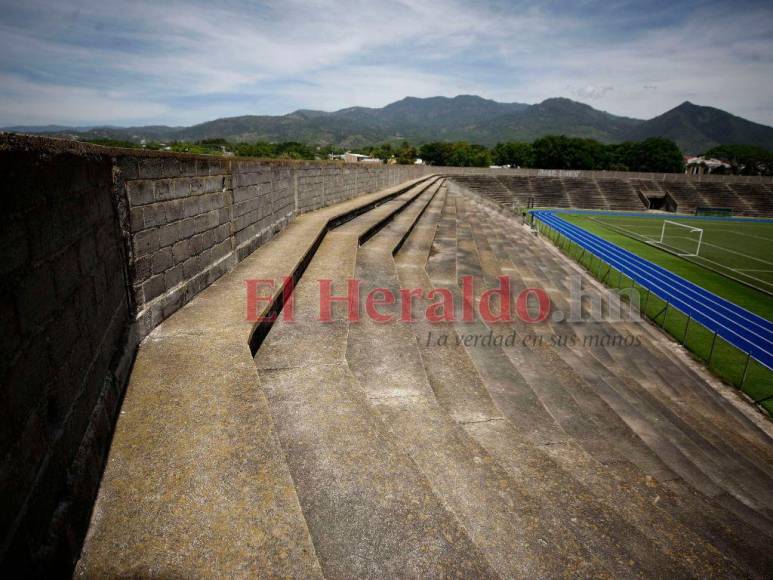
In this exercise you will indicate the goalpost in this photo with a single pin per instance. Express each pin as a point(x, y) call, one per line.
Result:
point(686, 240)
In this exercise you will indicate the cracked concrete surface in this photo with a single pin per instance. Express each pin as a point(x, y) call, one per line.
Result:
point(365, 450)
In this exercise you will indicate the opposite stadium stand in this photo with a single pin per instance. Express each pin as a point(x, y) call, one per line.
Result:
point(686, 196)
point(622, 193)
point(757, 196)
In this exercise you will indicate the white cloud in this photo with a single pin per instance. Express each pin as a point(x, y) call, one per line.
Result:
point(28, 103)
point(176, 62)
point(592, 92)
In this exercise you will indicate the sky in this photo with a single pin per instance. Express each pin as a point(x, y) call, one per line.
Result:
point(121, 62)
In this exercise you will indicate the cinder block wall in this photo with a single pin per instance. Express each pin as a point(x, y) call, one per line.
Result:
point(190, 220)
point(98, 246)
point(63, 325)
point(178, 223)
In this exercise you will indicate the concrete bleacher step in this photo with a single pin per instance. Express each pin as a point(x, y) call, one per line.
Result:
point(741, 465)
point(622, 547)
point(369, 509)
point(749, 479)
point(175, 519)
point(563, 392)
point(622, 363)
point(513, 531)
point(556, 279)
point(664, 387)
point(715, 430)
point(687, 390)
point(478, 227)
point(733, 538)
point(558, 284)
point(467, 402)
point(677, 376)
point(196, 483)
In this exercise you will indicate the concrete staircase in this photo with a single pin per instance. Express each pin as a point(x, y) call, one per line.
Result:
point(407, 449)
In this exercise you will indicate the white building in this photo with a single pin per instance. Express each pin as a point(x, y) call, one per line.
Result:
point(701, 165)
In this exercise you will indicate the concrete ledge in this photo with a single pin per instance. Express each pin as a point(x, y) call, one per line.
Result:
point(196, 483)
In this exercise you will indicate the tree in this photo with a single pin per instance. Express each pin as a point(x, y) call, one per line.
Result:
point(459, 154)
point(435, 153)
point(562, 152)
point(383, 152)
point(656, 155)
point(406, 154)
point(515, 154)
point(464, 154)
point(620, 156)
point(257, 149)
point(744, 159)
point(293, 150)
point(285, 150)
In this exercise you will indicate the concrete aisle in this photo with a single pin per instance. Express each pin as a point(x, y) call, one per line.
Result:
point(370, 510)
point(515, 531)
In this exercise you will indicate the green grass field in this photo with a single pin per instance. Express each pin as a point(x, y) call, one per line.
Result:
point(731, 252)
point(740, 249)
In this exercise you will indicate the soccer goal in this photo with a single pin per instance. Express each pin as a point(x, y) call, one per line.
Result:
point(684, 240)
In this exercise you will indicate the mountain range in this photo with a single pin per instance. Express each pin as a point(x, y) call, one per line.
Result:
point(470, 118)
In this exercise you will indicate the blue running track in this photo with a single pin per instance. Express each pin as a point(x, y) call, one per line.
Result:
point(660, 216)
point(743, 329)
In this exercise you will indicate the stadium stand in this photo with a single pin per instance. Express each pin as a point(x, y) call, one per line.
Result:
point(758, 197)
point(370, 450)
point(622, 193)
point(686, 196)
point(720, 195)
point(586, 190)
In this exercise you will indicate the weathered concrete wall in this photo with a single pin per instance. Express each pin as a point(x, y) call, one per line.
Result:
point(179, 214)
point(64, 320)
point(192, 219)
point(98, 246)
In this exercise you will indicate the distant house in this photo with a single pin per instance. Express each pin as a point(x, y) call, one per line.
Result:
point(701, 165)
point(350, 157)
point(355, 157)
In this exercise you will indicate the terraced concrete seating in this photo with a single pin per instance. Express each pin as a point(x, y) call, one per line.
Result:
point(685, 196)
point(720, 195)
point(196, 482)
point(749, 199)
point(733, 494)
point(587, 191)
point(758, 197)
point(620, 193)
point(377, 448)
point(554, 191)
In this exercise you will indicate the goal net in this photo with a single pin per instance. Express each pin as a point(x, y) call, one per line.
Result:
point(682, 239)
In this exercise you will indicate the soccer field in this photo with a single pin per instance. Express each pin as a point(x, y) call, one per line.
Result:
point(715, 254)
point(731, 257)
point(741, 249)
